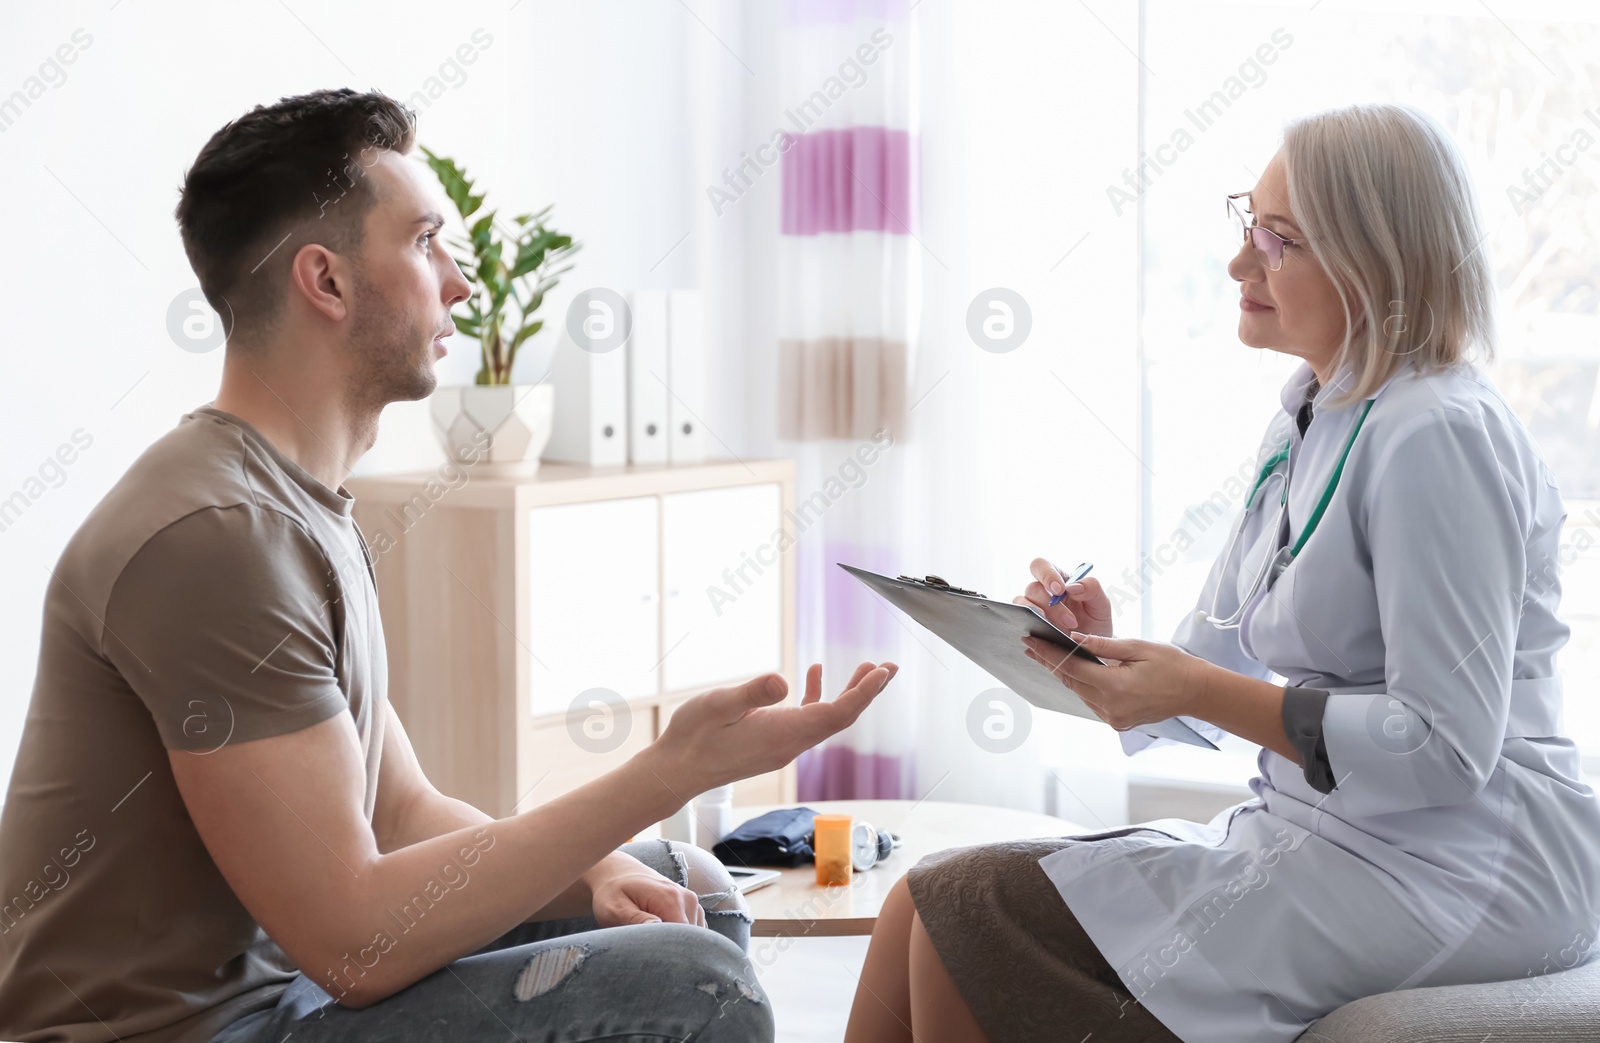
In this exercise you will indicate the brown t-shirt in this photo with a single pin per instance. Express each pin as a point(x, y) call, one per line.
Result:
point(217, 594)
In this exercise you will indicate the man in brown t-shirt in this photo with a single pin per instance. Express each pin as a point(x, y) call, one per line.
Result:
point(215, 812)
point(195, 609)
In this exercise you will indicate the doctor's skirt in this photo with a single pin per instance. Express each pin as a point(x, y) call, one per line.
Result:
point(1016, 952)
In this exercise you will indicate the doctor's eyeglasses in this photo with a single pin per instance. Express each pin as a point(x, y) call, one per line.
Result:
point(1267, 242)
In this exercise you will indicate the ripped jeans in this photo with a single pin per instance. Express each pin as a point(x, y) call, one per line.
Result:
point(563, 981)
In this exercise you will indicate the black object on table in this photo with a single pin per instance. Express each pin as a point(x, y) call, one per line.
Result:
point(778, 838)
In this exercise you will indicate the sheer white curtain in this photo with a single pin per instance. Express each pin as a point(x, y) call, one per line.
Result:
point(848, 279)
point(1017, 121)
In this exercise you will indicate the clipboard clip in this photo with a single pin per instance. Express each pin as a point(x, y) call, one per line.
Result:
point(939, 583)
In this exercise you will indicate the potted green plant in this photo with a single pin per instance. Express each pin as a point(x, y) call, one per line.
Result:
point(512, 267)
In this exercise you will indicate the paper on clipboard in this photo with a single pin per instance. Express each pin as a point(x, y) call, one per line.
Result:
point(990, 634)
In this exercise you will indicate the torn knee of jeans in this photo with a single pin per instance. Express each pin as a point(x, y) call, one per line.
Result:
point(713, 900)
point(738, 914)
point(740, 989)
point(679, 860)
point(547, 969)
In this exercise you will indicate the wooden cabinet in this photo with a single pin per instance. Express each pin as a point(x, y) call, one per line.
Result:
point(722, 607)
point(542, 629)
point(593, 601)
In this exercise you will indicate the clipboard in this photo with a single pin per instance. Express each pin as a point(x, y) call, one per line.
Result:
point(990, 634)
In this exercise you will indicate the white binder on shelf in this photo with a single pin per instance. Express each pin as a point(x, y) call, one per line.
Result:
point(647, 376)
point(686, 376)
point(591, 410)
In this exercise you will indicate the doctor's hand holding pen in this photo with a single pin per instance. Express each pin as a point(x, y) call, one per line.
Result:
point(1069, 598)
point(1142, 682)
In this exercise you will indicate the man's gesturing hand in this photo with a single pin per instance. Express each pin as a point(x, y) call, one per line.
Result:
point(729, 734)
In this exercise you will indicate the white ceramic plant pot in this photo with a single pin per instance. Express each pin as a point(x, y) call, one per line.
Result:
point(497, 428)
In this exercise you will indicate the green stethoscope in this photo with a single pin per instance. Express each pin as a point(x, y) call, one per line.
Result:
point(1273, 568)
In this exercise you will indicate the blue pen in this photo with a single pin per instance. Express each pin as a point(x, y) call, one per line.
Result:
point(1078, 573)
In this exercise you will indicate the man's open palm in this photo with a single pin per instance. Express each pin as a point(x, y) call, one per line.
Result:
point(734, 733)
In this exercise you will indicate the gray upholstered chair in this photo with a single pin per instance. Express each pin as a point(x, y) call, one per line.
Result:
point(1564, 1007)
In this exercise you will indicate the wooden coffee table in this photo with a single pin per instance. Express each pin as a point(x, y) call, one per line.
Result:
point(796, 906)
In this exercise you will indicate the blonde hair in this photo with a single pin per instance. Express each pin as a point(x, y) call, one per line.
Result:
point(1383, 195)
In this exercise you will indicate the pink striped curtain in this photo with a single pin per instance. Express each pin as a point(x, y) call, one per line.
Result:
point(848, 199)
point(849, 268)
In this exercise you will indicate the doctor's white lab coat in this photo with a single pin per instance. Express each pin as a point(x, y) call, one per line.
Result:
point(1458, 844)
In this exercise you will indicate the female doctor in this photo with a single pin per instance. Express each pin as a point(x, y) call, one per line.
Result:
point(1418, 817)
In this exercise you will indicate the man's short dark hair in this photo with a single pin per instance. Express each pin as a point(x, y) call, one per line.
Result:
point(276, 178)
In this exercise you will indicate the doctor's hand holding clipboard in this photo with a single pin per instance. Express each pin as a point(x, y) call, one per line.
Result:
point(1143, 681)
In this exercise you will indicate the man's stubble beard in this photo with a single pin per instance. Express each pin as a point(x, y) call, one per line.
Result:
point(384, 360)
